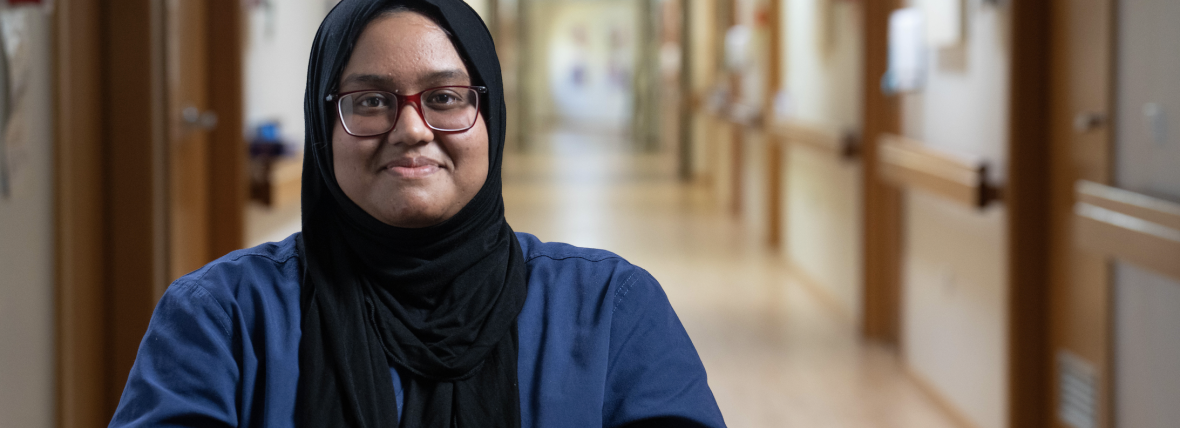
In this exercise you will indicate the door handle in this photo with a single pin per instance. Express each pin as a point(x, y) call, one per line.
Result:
point(194, 118)
point(1088, 121)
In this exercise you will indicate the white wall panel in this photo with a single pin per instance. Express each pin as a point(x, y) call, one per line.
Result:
point(822, 78)
point(954, 279)
point(26, 235)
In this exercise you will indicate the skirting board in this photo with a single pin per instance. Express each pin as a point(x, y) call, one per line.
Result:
point(954, 412)
point(820, 292)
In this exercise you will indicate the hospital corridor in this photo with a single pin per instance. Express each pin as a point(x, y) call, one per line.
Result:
point(778, 355)
point(863, 213)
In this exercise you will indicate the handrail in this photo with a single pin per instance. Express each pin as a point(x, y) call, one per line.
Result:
point(1155, 210)
point(277, 181)
point(1128, 226)
point(738, 114)
point(841, 143)
point(910, 164)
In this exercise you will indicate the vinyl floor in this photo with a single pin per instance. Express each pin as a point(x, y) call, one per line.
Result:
point(776, 356)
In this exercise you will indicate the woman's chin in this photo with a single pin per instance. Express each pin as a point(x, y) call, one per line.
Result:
point(413, 217)
point(415, 206)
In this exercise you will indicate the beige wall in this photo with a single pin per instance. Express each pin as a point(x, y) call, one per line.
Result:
point(824, 226)
point(277, 49)
point(481, 7)
point(954, 287)
point(755, 173)
point(1147, 347)
point(26, 242)
point(823, 60)
point(1146, 304)
point(602, 102)
point(704, 76)
point(954, 305)
point(822, 77)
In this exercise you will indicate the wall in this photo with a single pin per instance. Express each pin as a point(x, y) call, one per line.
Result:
point(822, 81)
point(953, 326)
point(954, 274)
point(280, 34)
point(277, 51)
point(824, 49)
point(583, 58)
point(482, 7)
point(26, 241)
point(1147, 145)
point(704, 76)
point(1147, 347)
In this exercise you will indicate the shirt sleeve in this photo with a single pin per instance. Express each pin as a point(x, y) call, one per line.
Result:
point(185, 372)
point(653, 372)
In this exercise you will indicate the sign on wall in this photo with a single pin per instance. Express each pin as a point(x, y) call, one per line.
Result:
point(907, 52)
point(16, 70)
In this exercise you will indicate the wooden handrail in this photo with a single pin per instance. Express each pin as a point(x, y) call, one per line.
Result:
point(1155, 210)
point(1128, 226)
point(845, 144)
point(841, 143)
point(744, 115)
point(278, 181)
point(910, 164)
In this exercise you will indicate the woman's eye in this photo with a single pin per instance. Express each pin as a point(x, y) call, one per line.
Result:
point(372, 101)
point(444, 98)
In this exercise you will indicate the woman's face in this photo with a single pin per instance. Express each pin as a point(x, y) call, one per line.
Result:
point(411, 176)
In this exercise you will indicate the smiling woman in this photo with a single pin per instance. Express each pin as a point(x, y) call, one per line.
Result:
point(398, 167)
point(407, 299)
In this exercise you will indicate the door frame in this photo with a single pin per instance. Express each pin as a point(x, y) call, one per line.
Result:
point(227, 146)
point(1028, 202)
point(1083, 73)
point(1059, 298)
point(109, 231)
point(881, 201)
point(80, 216)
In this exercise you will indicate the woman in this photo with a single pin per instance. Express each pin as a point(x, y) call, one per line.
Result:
point(407, 300)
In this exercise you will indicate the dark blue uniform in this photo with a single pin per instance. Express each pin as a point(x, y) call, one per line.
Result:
point(599, 345)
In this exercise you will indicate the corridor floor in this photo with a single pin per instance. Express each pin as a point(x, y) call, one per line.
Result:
point(776, 356)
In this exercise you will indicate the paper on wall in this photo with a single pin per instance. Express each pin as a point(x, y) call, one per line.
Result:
point(907, 52)
point(14, 78)
point(944, 22)
point(738, 41)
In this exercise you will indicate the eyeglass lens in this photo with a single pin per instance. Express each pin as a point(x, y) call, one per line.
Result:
point(374, 113)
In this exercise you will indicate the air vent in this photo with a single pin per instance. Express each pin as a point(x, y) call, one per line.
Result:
point(1078, 391)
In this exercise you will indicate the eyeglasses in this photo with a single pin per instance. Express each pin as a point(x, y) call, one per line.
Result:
point(446, 109)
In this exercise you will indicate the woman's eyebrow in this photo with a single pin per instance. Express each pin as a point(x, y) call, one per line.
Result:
point(371, 79)
point(444, 76)
point(431, 78)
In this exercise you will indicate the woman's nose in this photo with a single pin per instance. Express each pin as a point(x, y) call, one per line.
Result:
point(410, 128)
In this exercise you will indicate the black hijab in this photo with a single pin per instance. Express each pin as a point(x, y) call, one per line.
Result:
point(438, 303)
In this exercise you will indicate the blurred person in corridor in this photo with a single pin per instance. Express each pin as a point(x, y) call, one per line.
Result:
point(407, 299)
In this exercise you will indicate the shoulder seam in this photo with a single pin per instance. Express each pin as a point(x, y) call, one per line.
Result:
point(224, 319)
point(564, 257)
point(624, 289)
point(265, 256)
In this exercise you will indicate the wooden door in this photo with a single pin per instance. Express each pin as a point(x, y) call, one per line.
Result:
point(189, 121)
point(1116, 294)
point(138, 199)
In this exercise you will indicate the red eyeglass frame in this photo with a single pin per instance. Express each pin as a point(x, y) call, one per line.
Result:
point(415, 99)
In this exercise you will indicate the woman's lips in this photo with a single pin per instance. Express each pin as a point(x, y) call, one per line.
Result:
point(415, 167)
